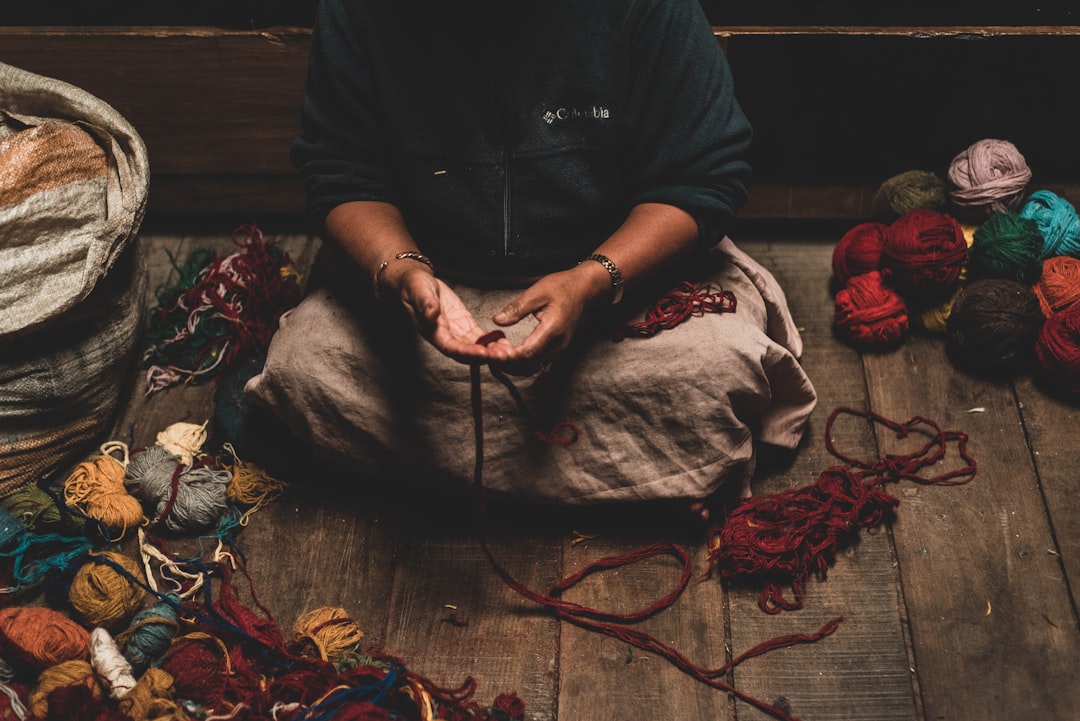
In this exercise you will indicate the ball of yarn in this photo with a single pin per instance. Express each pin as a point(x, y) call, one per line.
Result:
point(869, 313)
point(1058, 286)
point(858, 251)
point(96, 489)
point(989, 176)
point(923, 255)
point(1006, 246)
point(103, 595)
point(76, 672)
point(327, 633)
point(1057, 351)
point(992, 328)
point(184, 440)
point(907, 191)
point(149, 634)
point(935, 319)
point(197, 501)
point(109, 664)
point(152, 698)
point(10, 527)
point(200, 669)
point(1057, 222)
point(38, 637)
point(37, 509)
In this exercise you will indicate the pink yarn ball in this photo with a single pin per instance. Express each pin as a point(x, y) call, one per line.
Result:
point(990, 176)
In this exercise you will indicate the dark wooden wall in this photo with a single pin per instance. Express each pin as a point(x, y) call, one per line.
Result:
point(836, 109)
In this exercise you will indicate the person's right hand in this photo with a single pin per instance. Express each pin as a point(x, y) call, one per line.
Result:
point(442, 318)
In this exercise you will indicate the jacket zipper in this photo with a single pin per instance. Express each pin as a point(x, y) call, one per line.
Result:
point(500, 83)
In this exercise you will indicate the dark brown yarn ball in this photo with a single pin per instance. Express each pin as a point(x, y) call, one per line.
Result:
point(992, 327)
point(923, 255)
point(909, 191)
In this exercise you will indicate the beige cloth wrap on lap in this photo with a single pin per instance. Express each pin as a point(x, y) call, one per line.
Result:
point(675, 415)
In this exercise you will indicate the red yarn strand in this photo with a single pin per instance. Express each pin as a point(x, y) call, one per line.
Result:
point(786, 537)
point(614, 624)
point(679, 304)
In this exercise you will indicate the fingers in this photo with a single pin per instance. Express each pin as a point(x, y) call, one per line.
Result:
point(451, 328)
point(516, 310)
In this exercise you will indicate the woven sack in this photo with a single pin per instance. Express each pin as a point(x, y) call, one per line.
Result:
point(74, 177)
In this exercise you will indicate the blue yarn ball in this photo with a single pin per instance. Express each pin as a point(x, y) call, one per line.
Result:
point(150, 634)
point(1057, 221)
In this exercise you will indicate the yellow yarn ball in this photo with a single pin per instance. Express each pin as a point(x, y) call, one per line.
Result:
point(69, 673)
point(103, 596)
point(251, 485)
point(153, 698)
point(331, 632)
point(935, 320)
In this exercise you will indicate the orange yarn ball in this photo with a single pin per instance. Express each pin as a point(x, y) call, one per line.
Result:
point(96, 488)
point(1058, 287)
point(38, 636)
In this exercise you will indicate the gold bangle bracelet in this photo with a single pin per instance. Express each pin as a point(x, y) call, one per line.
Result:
point(403, 255)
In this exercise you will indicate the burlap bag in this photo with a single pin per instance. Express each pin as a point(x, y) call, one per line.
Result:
point(74, 176)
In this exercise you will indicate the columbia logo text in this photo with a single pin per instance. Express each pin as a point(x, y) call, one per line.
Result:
point(596, 112)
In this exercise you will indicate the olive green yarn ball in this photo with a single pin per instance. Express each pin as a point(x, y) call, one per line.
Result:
point(907, 191)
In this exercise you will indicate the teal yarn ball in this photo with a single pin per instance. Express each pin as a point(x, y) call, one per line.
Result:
point(150, 633)
point(1007, 247)
point(1058, 222)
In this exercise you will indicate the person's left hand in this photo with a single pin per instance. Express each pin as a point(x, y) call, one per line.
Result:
point(559, 302)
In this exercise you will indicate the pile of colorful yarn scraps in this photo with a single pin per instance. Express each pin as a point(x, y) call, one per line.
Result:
point(121, 649)
point(785, 538)
point(172, 485)
point(974, 259)
point(145, 635)
point(221, 311)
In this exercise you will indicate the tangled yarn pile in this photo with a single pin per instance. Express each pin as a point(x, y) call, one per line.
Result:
point(138, 634)
point(976, 259)
point(221, 311)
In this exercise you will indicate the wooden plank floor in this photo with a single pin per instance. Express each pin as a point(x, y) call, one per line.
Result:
point(963, 606)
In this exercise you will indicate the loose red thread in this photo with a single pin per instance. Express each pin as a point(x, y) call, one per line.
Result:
point(679, 304)
point(784, 538)
point(616, 625)
point(564, 433)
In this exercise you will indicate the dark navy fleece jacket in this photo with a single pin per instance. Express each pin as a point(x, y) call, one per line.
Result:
point(515, 137)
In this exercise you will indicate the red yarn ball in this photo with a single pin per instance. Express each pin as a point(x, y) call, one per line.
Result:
point(362, 711)
point(78, 703)
point(923, 254)
point(1057, 351)
point(858, 251)
point(869, 313)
